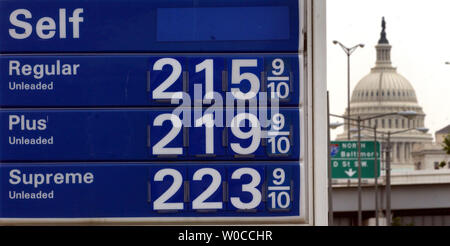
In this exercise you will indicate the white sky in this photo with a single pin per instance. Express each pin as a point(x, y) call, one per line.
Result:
point(419, 33)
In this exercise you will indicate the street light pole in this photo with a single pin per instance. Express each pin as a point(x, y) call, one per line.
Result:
point(376, 175)
point(359, 173)
point(348, 94)
point(388, 179)
point(348, 52)
point(388, 170)
point(376, 169)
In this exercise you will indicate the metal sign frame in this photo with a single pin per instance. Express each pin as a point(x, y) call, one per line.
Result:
point(312, 162)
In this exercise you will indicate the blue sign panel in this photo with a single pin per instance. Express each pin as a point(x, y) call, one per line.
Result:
point(152, 109)
point(110, 190)
point(105, 80)
point(149, 26)
point(149, 134)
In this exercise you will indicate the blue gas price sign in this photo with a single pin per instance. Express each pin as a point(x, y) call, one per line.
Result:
point(155, 111)
point(156, 81)
point(156, 190)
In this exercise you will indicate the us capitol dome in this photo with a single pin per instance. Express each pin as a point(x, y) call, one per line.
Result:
point(383, 91)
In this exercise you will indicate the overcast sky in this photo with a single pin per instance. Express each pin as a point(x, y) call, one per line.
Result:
point(420, 37)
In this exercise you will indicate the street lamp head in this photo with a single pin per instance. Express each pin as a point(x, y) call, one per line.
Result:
point(335, 125)
point(361, 136)
point(353, 129)
point(335, 42)
point(408, 114)
point(361, 45)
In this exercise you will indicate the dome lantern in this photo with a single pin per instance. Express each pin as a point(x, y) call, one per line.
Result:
point(383, 50)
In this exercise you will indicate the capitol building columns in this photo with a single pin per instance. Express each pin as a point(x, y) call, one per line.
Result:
point(395, 152)
point(404, 151)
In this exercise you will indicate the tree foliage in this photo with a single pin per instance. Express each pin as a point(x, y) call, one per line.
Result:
point(446, 144)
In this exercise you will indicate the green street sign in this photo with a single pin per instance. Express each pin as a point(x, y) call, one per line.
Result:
point(344, 159)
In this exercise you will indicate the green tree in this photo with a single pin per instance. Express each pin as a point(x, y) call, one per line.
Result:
point(446, 144)
point(396, 221)
point(446, 148)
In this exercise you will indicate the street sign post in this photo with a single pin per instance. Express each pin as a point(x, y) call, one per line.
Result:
point(344, 159)
point(160, 111)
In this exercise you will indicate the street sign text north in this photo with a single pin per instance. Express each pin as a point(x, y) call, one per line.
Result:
point(344, 159)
